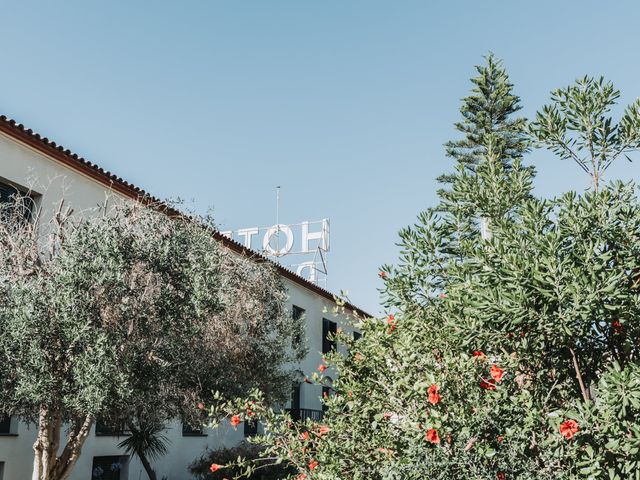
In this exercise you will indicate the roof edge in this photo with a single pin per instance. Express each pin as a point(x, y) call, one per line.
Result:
point(65, 156)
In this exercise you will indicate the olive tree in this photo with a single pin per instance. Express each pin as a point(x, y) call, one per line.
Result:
point(131, 315)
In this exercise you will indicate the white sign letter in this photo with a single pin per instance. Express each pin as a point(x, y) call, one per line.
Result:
point(247, 233)
point(312, 270)
point(322, 235)
point(266, 241)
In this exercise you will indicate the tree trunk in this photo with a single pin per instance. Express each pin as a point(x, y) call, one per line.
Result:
point(46, 463)
point(151, 473)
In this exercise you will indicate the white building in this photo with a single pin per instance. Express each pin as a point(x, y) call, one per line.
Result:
point(28, 160)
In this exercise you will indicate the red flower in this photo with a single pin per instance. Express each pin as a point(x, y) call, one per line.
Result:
point(496, 373)
point(358, 357)
point(301, 476)
point(434, 396)
point(500, 438)
point(617, 327)
point(488, 385)
point(479, 354)
point(322, 368)
point(304, 436)
point(568, 429)
point(500, 476)
point(235, 421)
point(382, 275)
point(322, 430)
point(200, 406)
point(391, 321)
point(432, 436)
point(442, 295)
point(215, 467)
point(313, 464)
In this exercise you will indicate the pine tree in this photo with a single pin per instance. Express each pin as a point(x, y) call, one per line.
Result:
point(488, 111)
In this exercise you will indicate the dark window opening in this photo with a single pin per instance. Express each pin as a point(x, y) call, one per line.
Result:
point(8, 425)
point(106, 429)
point(26, 206)
point(357, 335)
point(329, 328)
point(297, 313)
point(5, 425)
point(250, 428)
point(326, 392)
point(109, 467)
point(189, 431)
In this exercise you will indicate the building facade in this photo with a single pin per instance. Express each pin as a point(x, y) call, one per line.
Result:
point(29, 162)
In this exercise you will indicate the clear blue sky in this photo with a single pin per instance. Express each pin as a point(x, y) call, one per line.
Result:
point(346, 104)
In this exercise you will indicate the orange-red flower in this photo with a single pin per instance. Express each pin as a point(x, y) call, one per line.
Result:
point(568, 429)
point(500, 476)
point(496, 373)
point(302, 476)
point(322, 368)
point(304, 436)
point(215, 467)
point(382, 275)
point(442, 295)
point(432, 436)
point(479, 354)
point(434, 396)
point(488, 385)
point(322, 430)
point(313, 464)
point(391, 321)
point(235, 421)
point(200, 406)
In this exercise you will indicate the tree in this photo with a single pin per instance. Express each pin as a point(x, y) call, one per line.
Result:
point(121, 315)
point(488, 111)
point(576, 126)
point(517, 358)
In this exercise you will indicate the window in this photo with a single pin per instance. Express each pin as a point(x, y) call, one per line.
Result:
point(189, 431)
point(326, 391)
point(8, 194)
point(357, 335)
point(113, 467)
point(295, 397)
point(104, 429)
point(328, 328)
point(8, 425)
point(1, 470)
point(297, 313)
point(250, 428)
point(5, 425)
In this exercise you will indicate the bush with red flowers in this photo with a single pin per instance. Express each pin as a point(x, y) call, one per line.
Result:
point(512, 346)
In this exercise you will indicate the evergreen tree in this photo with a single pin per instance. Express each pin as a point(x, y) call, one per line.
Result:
point(488, 111)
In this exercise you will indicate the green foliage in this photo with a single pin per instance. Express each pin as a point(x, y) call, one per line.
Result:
point(509, 353)
point(577, 126)
point(201, 467)
point(488, 112)
point(130, 315)
point(146, 439)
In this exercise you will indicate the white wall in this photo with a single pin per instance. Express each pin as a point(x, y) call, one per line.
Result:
point(26, 167)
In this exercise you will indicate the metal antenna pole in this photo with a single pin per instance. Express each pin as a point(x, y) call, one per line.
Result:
point(278, 218)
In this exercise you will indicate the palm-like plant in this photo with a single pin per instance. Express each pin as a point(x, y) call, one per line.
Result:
point(147, 442)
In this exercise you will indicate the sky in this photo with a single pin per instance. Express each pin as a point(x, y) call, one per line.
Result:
point(344, 104)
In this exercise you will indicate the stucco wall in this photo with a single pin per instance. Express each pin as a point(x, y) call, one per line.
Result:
point(52, 181)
